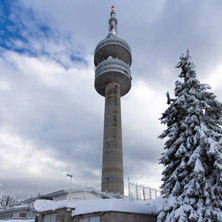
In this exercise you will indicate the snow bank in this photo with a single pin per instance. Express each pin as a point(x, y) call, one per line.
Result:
point(50, 205)
point(155, 202)
point(92, 206)
point(18, 220)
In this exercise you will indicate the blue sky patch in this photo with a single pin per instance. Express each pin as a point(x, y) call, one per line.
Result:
point(21, 31)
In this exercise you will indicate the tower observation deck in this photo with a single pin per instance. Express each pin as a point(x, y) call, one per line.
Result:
point(112, 59)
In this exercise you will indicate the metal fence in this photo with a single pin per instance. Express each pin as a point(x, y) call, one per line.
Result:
point(141, 192)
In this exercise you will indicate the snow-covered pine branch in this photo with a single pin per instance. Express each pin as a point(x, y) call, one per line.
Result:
point(169, 100)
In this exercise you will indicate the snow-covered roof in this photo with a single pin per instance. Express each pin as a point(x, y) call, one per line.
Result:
point(15, 208)
point(53, 194)
point(156, 202)
point(93, 206)
point(97, 192)
point(80, 207)
point(87, 189)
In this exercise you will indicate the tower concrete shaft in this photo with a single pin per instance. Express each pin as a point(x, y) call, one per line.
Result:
point(112, 59)
point(112, 168)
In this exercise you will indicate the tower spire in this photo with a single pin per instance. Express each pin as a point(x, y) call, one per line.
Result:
point(113, 22)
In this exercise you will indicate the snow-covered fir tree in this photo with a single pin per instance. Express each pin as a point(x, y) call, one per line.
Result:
point(7, 201)
point(192, 178)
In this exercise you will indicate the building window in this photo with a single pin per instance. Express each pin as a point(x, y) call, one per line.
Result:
point(90, 219)
point(22, 215)
point(49, 218)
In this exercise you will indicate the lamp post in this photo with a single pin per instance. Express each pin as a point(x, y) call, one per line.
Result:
point(70, 175)
point(129, 188)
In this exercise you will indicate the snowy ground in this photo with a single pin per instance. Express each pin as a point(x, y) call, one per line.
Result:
point(18, 220)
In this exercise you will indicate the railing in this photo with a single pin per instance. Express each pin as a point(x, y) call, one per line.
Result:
point(113, 65)
point(141, 192)
point(113, 40)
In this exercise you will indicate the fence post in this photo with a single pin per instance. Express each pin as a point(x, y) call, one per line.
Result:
point(144, 197)
point(136, 191)
point(150, 193)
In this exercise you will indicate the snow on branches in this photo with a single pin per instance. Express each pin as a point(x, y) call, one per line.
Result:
point(192, 178)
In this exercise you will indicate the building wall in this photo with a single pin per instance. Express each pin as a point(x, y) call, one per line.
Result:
point(116, 217)
point(15, 213)
point(6, 215)
point(81, 195)
point(127, 217)
point(62, 215)
point(60, 197)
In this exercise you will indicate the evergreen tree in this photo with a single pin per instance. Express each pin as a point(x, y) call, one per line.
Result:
point(192, 178)
point(7, 201)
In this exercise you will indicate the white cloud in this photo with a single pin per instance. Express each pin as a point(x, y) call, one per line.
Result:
point(21, 157)
point(142, 109)
point(4, 85)
point(49, 108)
point(214, 78)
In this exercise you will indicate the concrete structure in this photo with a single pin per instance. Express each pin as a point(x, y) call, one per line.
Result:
point(87, 193)
point(60, 215)
point(116, 217)
point(64, 215)
point(112, 59)
point(110, 210)
point(18, 212)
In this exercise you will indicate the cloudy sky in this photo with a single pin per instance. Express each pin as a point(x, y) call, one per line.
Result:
point(51, 118)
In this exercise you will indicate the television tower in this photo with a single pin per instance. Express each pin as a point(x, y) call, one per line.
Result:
point(112, 59)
